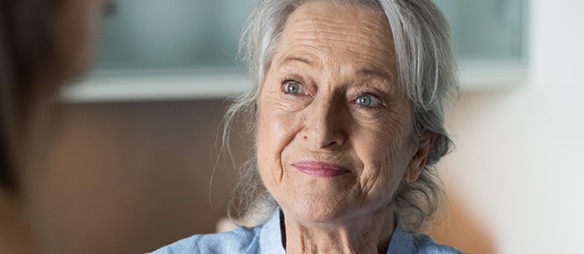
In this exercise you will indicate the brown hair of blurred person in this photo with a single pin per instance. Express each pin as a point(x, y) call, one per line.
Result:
point(44, 44)
point(25, 48)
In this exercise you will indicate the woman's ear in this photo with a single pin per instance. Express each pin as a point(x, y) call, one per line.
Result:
point(425, 142)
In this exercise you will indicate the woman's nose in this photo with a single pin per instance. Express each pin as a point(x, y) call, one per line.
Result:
point(325, 124)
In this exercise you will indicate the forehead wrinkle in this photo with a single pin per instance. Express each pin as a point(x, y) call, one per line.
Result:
point(309, 18)
point(325, 33)
point(318, 27)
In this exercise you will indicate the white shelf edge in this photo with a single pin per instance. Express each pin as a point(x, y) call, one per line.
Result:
point(489, 75)
point(480, 75)
point(162, 86)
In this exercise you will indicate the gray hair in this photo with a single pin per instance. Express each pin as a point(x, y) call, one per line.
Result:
point(428, 74)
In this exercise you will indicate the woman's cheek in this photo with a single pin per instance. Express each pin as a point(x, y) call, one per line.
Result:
point(270, 149)
point(275, 134)
point(268, 136)
point(278, 122)
point(280, 131)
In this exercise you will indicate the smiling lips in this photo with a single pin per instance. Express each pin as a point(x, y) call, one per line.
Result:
point(320, 169)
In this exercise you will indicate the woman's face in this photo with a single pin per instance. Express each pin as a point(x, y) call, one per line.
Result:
point(334, 136)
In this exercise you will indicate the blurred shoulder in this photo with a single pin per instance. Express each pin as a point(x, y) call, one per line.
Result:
point(239, 240)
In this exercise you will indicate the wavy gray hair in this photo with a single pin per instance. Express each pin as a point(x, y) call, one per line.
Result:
point(428, 74)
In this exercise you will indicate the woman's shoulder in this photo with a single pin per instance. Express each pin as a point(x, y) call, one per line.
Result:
point(239, 240)
point(264, 237)
point(404, 241)
point(425, 244)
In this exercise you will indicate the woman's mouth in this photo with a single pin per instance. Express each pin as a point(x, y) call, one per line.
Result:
point(320, 169)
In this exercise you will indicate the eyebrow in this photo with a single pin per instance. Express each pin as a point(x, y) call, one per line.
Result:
point(305, 60)
point(375, 72)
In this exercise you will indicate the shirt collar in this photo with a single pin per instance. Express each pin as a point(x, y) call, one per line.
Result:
point(271, 236)
point(401, 242)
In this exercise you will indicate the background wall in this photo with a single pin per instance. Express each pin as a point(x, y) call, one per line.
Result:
point(132, 177)
point(517, 170)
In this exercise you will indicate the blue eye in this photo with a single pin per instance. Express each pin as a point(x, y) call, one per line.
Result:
point(368, 100)
point(292, 87)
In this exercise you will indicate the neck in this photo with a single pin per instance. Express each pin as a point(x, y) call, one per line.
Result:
point(365, 234)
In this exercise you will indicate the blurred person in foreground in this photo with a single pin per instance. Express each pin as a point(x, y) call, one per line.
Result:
point(44, 45)
point(347, 116)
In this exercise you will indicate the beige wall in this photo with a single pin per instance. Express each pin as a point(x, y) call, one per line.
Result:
point(517, 170)
point(131, 177)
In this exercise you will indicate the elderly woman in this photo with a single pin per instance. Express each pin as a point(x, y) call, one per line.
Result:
point(348, 119)
point(44, 44)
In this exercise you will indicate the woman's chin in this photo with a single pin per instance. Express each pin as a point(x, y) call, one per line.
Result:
point(310, 210)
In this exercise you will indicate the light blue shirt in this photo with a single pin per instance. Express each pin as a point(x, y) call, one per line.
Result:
point(267, 238)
